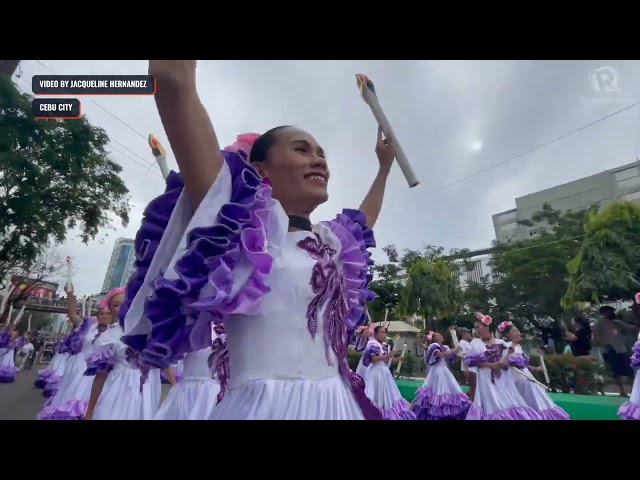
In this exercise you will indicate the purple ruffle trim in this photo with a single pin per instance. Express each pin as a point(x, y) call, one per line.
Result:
point(44, 376)
point(154, 222)
point(401, 410)
point(513, 413)
point(554, 413)
point(428, 406)
point(518, 361)
point(629, 411)
point(180, 322)
point(5, 339)
point(473, 360)
point(8, 373)
point(71, 410)
point(50, 389)
point(356, 268)
point(100, 361)
point(73, 342)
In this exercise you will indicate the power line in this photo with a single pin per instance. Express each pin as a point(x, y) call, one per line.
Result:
point(520, 155)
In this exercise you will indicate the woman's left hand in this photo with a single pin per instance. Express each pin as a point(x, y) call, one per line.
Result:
point(385, 150)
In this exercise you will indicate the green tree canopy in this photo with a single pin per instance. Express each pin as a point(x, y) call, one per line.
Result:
point(607, 264)
point(54, 175)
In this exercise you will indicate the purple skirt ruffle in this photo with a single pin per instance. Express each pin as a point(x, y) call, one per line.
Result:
point(50, 389)
point(44, 376)
point(401, 410)
point(71, 410)
point(513, 413)
point(8, 374)
point(555, 413)
point(428, 406)
point(629, 411)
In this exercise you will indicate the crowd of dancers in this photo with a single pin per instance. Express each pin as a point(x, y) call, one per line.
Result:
point(260, 305)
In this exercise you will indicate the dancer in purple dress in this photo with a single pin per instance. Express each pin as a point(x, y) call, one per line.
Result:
point(496, 397)
point(235, 245)
point(8, 369)
point(440, 397)
point(532, 392)
point(631, 410)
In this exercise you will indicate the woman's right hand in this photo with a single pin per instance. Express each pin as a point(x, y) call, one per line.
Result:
point(174, 73)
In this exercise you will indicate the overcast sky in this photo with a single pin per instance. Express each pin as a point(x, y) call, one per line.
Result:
point(453, 118)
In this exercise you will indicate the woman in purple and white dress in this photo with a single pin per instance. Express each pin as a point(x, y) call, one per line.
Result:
point(532, 393)
point(630, 410)
point(363, 333)
point(440, 397)
point(496, 397)
point(52, 370)
point(53, 381)
point(8, 367)
point(74, 388)
point(118, 391)
point(379, 385)
point(233, 244)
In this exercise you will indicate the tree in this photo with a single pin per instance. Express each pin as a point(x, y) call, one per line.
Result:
point(39, 321)
point(432, 286)
point(607, 264)
point(55, 175)
point(48, 266)
point(387, 285)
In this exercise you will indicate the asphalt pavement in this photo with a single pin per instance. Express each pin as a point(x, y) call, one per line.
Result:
point(22, 401)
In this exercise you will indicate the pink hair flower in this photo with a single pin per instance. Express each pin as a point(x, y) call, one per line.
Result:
point(244, 142)
point(502, 327)
point(106, 301)
point(430, 336)
point(638, 297)
point(486, 319)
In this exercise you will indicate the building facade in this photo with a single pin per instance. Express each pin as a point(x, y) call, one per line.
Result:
point(617, 184)
point(480, 269)
point(121, 264)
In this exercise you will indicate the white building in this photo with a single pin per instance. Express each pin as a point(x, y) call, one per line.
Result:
point(621, 183)
point(121, 264)
point(479, 269)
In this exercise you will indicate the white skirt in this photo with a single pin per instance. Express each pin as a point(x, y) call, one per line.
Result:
point(121, 398)
point(190, 399)
point(324, 399)
point(381, 389)
point(151, 392)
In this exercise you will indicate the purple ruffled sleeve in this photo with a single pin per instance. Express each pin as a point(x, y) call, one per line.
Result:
point(180, 311)
point(356, 238)
point(373, 349)
point(101, 361)
point(472, 360)
point(430, 355)
point(519, 361)
point(5, 338)
point(635, 356)
point(154, 222)
point(75, 340)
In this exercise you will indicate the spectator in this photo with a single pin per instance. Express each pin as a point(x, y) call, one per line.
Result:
point(580, 341)
point(608, 335)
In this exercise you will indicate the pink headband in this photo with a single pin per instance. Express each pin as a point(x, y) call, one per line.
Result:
point(486, 319)
point(430, 336)
point(638, 297)
point(243, 143)
point(106, 301)
point(503, 326)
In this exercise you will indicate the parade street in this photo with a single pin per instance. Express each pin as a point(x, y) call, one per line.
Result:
point(22, 401)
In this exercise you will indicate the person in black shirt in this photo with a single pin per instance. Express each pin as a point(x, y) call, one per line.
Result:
point(580, 341)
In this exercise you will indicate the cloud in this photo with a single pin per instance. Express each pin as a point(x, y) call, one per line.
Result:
point(439, 110)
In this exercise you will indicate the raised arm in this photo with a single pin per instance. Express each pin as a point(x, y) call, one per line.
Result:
point(187, 125)
point(372, 203)
point(72, 305)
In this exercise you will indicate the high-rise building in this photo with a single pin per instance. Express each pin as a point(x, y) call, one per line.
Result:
point(121, 264)
point(621, 183)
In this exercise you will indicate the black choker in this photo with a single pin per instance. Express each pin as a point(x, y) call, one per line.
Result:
point(300, 223)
